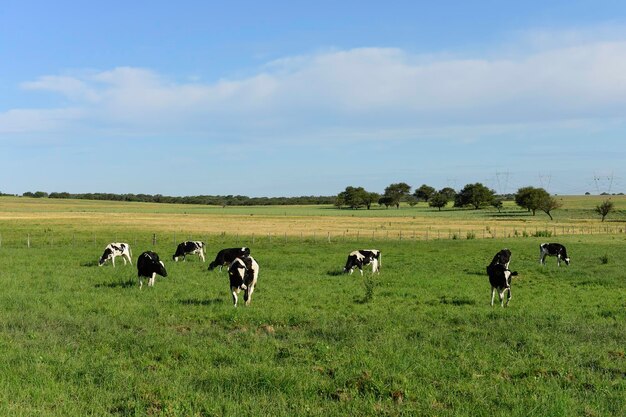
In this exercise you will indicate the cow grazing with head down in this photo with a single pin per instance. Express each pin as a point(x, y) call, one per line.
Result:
point(361, 257)
point(243, 274)
point(188, 247)
point(553, 249)
point(114, 250)
point(227, 256)
point(503, 257)
point(149, 266)
point(500, 280)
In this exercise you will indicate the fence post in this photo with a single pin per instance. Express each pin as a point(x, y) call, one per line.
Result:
point(328, 237)
point(28, 240)
point(154, 240)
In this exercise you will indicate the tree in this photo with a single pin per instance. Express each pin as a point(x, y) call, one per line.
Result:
point(353, 197)
point(605, 208)
point(438, 200)
point(411, 200)
point(425, 192)
point(448, 192)
point(385, 201)
point(396, 192)
point(371, 198)
point(497, 203)
point(475, 195)
point(531, 198)
point(548, 203)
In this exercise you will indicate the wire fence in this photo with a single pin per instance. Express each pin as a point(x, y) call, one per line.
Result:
point(143, 239)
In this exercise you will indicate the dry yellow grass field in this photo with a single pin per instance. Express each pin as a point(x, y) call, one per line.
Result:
point(576, 216)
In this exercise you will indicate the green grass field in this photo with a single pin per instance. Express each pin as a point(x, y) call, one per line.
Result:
point(418, 339)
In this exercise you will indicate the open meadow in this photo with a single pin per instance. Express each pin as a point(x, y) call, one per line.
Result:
point(418, 339)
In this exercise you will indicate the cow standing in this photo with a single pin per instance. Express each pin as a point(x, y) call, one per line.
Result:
point(500, 280)
point(227, 256)
point(361, 257)
point(243, 274)
point(114, 250)
point(188, 247)
point(149, 266)
point(553, 249)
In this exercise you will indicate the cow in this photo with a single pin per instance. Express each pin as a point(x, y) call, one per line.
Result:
point(149, 266)
point(227, 256)
point(358, 258)
point(500, 280)
point(188, 247)
point(503, 257)
point(553, 249)
point(243, 273)
point(115, 249)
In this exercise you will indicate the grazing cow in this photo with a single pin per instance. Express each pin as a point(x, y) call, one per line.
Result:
point(195, 247)
point(113, 250)
point(361, 257)
point(149, 266)
point(503, 258)
point(243, 273)
point(553, 249)
point(500, 280)
point(227, 256)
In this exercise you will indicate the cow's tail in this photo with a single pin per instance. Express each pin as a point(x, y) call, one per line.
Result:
point(380, 259)
point(130, 252)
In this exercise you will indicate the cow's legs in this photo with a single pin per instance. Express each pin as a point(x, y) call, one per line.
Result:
point(542, 258)
point(247, 296)
point(140, 282)
point(493, 294)
point(113, 261)
point(202, 256)
point(508, 298)
point(234, 292)
point(152, 279)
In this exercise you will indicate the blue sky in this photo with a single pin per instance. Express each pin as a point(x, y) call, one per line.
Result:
point(284, 98)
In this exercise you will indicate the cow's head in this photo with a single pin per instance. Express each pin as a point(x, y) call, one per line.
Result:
point(160, 268)
point(566, 260)
point(105, 256)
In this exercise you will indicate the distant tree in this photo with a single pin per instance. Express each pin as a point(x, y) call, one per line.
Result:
point(353, 197)
point(385, 201)
point(411, 200)
point(397, 192)
point(438, 200)
point(370, 198)
point(448, 192)
point(475, 195)
point(548, 203)
point(497, 203)
point(424, 192)
point(531, 198)
point(605, 208)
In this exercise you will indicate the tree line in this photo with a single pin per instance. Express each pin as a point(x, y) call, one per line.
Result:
point(216, 200)
point(475, 195)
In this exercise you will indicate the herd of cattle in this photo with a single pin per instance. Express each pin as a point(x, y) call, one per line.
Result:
point(243, 270)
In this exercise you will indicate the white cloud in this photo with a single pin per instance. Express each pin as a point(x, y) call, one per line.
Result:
point(356, 91)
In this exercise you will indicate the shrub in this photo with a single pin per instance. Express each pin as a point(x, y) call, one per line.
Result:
point(604, 259)
point(542, 233)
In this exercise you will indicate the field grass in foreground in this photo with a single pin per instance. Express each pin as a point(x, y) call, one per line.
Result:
point(419, 339)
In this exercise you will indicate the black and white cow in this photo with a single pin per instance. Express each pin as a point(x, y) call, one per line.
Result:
point(149, 266)
point(243, 274)
point(553, 249)
point(503, 257)
point(500, 280)
point(189, 247)
point(358, 258)
point(226, 256)
point(115, 249)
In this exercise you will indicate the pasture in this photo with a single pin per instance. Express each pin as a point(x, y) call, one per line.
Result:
point(418, 339)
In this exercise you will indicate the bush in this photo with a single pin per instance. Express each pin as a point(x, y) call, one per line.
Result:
point(542, 233)
point(471, 235)
point(604, 259)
